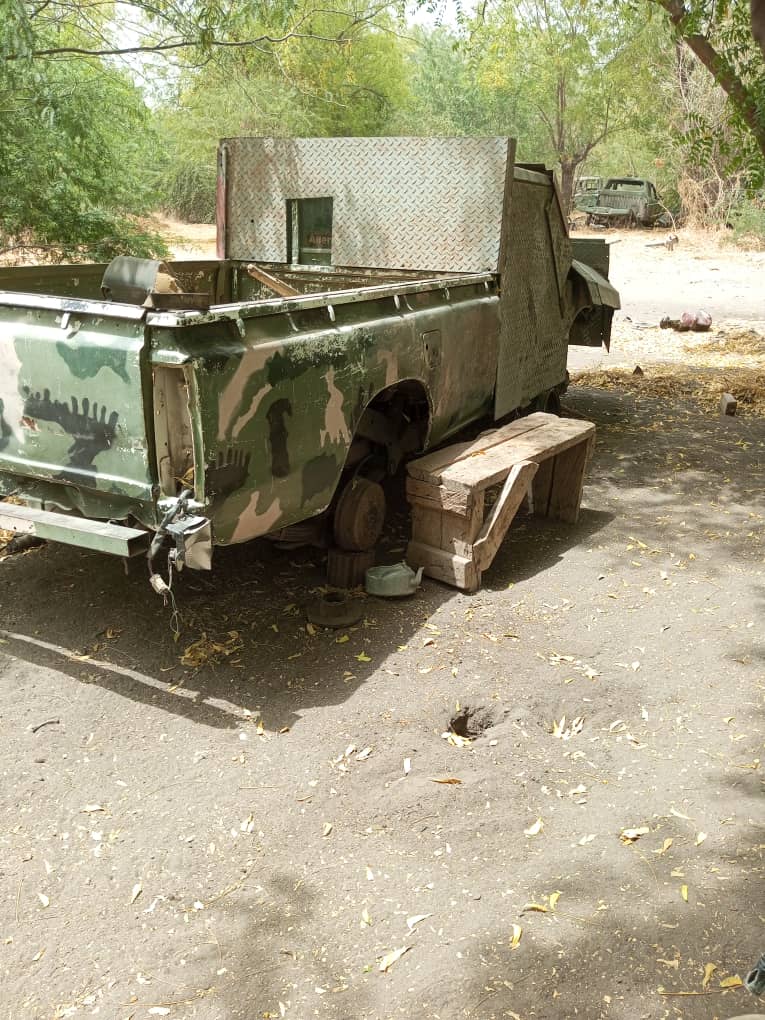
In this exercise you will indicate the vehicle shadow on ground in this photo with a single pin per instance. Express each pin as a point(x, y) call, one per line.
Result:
point(77, 612)
point(116, 633)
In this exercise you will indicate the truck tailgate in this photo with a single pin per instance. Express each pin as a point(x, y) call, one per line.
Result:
point(71, 395)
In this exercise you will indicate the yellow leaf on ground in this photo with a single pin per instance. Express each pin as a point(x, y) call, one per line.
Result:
point(447, 781)
point(363, 657)
point(515, 939)
point(684, 892)
point(554, 897)
point(665, 846)
point(709, 970)
point(537, 908)
point(535, 829)
point(390, 958)
point(734, 981)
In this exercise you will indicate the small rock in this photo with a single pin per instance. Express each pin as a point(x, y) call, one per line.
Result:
point(728, 404)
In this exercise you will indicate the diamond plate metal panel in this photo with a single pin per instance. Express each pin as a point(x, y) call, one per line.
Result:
point(398, 203)
point(532, 340)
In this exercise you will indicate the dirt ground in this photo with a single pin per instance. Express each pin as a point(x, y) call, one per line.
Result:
point(247, 822)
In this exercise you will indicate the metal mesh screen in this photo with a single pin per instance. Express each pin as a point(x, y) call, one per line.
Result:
point(398, 203)
point(532, 346)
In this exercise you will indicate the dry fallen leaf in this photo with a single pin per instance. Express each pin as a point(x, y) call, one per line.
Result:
point(91, 809)
point(709, 970)
point(684, 892)
point(700, 837)
point(447, 781)
point(364, 754)
point(365, 918)
point(563, 732)
point(137, 890)
point(515, 939)
point(537, 908)
point(734, 981)
point(628, 836)
point(43, 899)
point(363, 657)
point(390, 958)
point(414, 920)
point(554, 897)
point(455, 739)
point(587, 839)
point(327, 828)
point(665, 846)
point(535, 829)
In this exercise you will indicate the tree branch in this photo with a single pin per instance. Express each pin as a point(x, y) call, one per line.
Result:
point(724, 74)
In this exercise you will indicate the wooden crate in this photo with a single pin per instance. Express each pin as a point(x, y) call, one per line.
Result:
point(541, 458)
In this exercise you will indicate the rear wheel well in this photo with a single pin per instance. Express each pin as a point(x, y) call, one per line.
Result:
point(393, 424)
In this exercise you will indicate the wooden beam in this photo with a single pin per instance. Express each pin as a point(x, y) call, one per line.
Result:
point(272, 282)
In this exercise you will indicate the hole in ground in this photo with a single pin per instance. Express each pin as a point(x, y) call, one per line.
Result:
point(474, 720)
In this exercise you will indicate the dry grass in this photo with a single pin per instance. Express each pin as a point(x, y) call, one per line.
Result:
point(746, 342)
point(701, 385)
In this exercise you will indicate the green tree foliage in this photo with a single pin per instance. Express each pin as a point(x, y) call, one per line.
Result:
point(305, 86)
point(568, 73)
point(720, 37)
point(75, 143)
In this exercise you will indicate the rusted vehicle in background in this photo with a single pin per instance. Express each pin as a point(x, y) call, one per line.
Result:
point(586, 192)
point(371, 298)
point(628, 201)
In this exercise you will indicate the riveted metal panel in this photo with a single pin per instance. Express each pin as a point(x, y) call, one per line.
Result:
point(398, 203)
point(532, 341)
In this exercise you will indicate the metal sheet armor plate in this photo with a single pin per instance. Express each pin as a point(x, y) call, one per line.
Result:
point(398, 203)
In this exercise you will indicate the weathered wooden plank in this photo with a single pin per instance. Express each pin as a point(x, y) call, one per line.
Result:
point(430, 466)
point(482, 472)
point(272, 282)
point(427, 525)
point(568, 481)
point(459, 532)
point(459, 571)
point(495, 528)
point(540, 487)
point(455, 501)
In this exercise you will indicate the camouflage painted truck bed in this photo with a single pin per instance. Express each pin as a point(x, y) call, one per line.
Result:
point(251, 407)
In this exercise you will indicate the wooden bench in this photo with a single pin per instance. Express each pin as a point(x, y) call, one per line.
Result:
point(540, 457)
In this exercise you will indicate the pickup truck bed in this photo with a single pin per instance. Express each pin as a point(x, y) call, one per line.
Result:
point(241, 392)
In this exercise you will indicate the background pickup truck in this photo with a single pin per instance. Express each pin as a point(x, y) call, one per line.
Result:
point(626, 200)
point(372, 297)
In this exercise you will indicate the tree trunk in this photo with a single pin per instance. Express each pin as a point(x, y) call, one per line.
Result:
point(742, 98)
point(567, 174)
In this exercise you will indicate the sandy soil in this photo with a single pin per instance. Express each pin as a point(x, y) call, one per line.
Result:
point(253, 836)
point(187, 240)
point(704, 271)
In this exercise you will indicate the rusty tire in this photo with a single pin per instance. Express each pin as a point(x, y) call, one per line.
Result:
point(549, 401)
point(359, 515)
